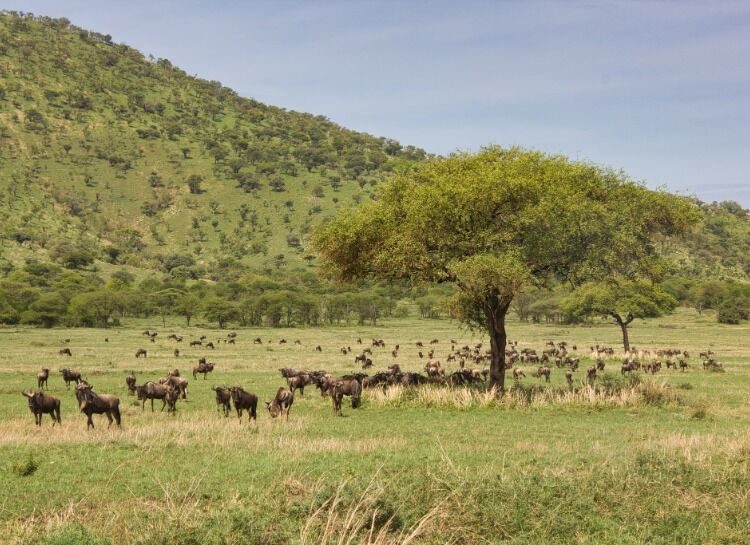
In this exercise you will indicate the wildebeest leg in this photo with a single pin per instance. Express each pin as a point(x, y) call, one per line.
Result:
point(302, 391)
point(152, 404)
point(90, 423)
point(109, 418)
point(56, 414)
point(38, 419)
point(163, 404)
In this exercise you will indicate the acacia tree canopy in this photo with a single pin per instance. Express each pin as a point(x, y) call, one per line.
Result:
point(496, 221)
point(621, 300)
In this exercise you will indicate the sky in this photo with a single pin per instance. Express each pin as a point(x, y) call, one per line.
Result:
point(659, 89)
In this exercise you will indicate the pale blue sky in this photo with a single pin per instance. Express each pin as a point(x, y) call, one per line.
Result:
point(660, 89)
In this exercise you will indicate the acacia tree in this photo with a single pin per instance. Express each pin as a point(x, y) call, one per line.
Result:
point(497, 221)
point(621, 300)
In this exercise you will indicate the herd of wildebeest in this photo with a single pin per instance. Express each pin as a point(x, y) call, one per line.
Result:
point(469, 360)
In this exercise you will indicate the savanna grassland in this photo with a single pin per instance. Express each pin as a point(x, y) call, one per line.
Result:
point(666, 462)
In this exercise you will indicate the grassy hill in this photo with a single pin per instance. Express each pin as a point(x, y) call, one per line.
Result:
point(128, 159)
point(111, 158)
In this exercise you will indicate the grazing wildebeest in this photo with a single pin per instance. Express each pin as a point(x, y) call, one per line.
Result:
point(231, 341)
point(244, 401)
point(318, 348)
point(257, 340)
point(176, 352)
point(65, 352)
point(544, 372)
point(93, 403)
point(349, 386)
point(683, 365)
point(130, 382)
point(152, 391)
point(600, 365)
point(298, 382)
point(41, 403)
point(70, 376)
point(569, 378)
point(591, 375)
point(41, 378)
point(518, 373)
point(223, 396)
point(203, 368)
point(196, 343)
point(210, 345)
point(281, 403)
point(141, 352)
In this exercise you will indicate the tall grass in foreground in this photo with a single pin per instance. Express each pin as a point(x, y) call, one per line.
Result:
point(610, 391)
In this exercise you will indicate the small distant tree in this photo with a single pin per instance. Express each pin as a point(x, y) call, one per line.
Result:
point(194, 182)
point(188, 305)
point(220, 311)
point(621, 300)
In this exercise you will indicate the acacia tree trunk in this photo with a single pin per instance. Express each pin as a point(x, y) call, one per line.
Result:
point(624, 327)
point(495, 310)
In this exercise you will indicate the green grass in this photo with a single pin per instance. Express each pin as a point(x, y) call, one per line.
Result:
point(667, 473)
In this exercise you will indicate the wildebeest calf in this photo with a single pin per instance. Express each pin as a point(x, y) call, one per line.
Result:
point(223, 397)
point(348, 386)
point(141, 352)
point(40, 403)
point(41, 378)
point(130, 382)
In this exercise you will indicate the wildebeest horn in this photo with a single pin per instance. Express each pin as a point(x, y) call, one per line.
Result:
point(26, 394)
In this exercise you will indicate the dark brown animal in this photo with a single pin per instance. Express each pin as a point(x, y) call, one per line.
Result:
point(280, 404)
point(204, 369)
point(130, 382)
point(518, 373)
point(65, 352)
point(298, 382)
point(569, 378)
point(178, 383)
point(223, 398)
point(345, 386)
point(244, 401)
point(40, 404)
point(152, 391)
point(591, 375)
point(70, 376)
point(141, 352)
point(93, 403)
point(544, 372)
point(41, 378)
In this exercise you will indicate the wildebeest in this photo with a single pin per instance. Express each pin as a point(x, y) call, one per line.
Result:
point(204, 368)
point(65, 352)
point(130, 382)
point(178, 383)
point(569, 378)
point(41, 378)
point(257, 340)
point(298, 382)
point(591, 375)
point(151, 390)
point(518, 373)
point(281, 403)
point(40, 404)
point(196, 343)
point(223, 396)
point(683, 365)
point(345, 386)
point(433, 369)
point(210, 345)
point(544, 372)
point(244, 401)
point(70, 376)
point(141, 352)
point(176, 352)
point(318, 348)
point(92, 403)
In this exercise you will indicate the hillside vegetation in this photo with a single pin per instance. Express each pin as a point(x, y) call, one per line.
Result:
point(109, 154)
point(121, 173)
